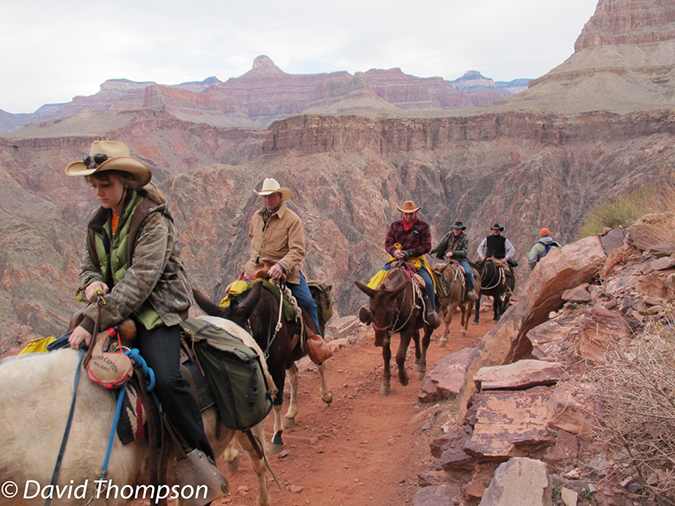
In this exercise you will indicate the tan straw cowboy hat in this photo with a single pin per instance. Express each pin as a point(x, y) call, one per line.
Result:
point(270, 186)
point(409, 207)
point(110, 155)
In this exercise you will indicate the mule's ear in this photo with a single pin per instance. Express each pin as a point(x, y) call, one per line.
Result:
point(365, 289)
point(245, 303)
point(207, 306)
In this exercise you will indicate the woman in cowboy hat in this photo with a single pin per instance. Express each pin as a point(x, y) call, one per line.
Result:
point(410, 238)
point(455, 245)
point(131, 257)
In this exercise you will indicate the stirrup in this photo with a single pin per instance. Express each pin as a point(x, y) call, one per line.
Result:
point(197, 469)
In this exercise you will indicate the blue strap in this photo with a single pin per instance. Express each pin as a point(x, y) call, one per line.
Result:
point(149, 374)
point(118, 410)
point(64, 441)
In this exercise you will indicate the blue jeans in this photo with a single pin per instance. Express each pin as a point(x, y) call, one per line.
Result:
point(427, 281)
point(160, 347)
point(305, 300)
point(469, 273)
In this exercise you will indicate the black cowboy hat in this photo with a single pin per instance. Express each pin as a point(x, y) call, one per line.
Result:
point(458, 225)
point(497, 227)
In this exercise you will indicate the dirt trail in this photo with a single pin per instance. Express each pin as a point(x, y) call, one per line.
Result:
point(364, 448)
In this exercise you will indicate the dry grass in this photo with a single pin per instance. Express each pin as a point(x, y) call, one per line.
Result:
point(635, 392)
point(626, 209)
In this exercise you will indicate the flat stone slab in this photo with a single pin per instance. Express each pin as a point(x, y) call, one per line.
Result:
point(519, 375)
point(507, 423)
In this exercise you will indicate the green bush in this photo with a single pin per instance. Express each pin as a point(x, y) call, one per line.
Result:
point(621, 212)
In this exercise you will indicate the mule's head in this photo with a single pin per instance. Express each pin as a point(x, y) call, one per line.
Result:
point(383, 306)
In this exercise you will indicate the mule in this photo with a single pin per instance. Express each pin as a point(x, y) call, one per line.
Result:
point(258, 309)
point(35, 396)
point(396, 307)
point(454, 279)
point(496, 282)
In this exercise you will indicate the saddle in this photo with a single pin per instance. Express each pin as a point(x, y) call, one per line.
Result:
point(438, 270)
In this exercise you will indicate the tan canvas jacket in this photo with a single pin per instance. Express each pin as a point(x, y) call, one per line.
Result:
point(282, 240)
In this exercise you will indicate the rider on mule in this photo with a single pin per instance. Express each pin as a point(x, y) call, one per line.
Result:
point(541, 247)
point(131, 257)
point(277, 234)
point(410, 239)
point(455, 246)
point(497, 246)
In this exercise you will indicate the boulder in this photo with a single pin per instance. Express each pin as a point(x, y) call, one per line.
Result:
point(435, 495)
point(613, 239)
point(446, 377)
point(578, 294)
point(647, 233)
point(520, 481)
point(601, 330)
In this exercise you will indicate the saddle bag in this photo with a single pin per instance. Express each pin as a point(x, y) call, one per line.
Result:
point(321, 295)
point(235, 373)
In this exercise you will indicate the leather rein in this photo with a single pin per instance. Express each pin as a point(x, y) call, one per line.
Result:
point(388, 328)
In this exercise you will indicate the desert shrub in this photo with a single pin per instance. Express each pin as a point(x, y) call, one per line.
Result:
point(621, 212)
point(634, 391)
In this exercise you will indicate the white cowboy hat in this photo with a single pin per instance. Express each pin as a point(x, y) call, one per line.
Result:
point(270, 186)
point(110, 155)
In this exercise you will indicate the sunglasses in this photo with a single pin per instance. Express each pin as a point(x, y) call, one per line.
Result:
point(94, 161)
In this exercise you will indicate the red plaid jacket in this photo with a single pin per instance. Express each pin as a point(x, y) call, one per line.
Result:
point(415, 242)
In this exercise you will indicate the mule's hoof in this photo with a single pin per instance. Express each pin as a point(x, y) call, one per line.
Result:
point(233, 465)
point(287, 423)
point(404, 381)
point(462, 333)
point(276, 440)
point(476, 322)
point(442, 342)
point(276, 449)
point(384, 389)
point(495, 319)
point(328, 399)
point(420, 375)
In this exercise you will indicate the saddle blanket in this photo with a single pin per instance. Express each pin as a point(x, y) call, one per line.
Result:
point(132, 425)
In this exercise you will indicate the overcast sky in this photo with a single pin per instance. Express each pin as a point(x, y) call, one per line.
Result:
point(53, 51)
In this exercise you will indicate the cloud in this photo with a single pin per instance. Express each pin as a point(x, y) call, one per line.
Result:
point(69, 48)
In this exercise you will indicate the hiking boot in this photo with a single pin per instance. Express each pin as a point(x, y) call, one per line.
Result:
point(472, 295)
point(433, 319)
point(365, 316)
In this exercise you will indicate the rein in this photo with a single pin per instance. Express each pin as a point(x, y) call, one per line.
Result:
point(500, 278)
point(278, 326)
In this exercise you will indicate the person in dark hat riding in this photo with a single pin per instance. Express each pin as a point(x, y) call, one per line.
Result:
point(410, 239)
point(455, 245)
point(496, 246)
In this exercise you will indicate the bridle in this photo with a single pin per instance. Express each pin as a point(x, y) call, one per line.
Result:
point(391, 328)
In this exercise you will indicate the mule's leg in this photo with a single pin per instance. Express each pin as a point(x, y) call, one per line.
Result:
point(496, 308)
point(448, 320)
point(289, 419)
point(231, 456)
point(326, 394)
point(386, 374)
point(426, 339)
point(400, 355)
point(279, 378)
point(477, 307)
point(263, 498)
point(466, 316)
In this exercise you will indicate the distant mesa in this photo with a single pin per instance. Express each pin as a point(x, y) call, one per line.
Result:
point(266, 93)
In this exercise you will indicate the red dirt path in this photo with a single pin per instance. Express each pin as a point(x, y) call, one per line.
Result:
point(364, 448)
